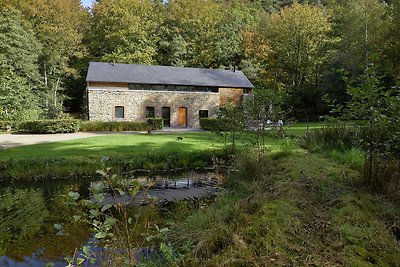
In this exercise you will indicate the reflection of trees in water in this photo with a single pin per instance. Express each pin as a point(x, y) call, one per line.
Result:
point(27, 217)
point(22, 214)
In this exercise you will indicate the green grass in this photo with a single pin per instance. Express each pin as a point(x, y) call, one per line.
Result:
point(306, 209)
point(300, 128)
point(124, 145)
point(115, 145)
point(127, 152)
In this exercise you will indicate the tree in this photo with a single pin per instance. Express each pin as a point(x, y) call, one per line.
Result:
point(19, 48)
point(376, 110)
point(300, 47)
point(199, 33)
point(19, 75)
point(392, 44)
point(124, 31)
point(362, 27)
point(17, 100)
point(60, 26)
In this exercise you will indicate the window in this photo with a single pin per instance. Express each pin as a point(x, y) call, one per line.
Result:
point(150, 112)
point(119, 112)
point(247, 91)
point(164, 87)
point(203, 114)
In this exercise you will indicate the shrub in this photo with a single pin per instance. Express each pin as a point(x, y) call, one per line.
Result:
point(6, 126)
point(214, 124)
point(342, 138)
point(113, 126)
point(155, 123)
point(48, 126)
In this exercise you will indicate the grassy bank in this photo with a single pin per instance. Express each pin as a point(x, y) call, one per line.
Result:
point(298, 209)
point(127, 152)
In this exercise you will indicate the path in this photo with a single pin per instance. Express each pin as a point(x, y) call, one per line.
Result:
point(13, 140)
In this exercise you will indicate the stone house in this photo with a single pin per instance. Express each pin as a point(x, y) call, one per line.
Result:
point(181, 96)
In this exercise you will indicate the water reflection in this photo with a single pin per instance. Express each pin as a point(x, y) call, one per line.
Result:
point(27, 235)
point(28, 215)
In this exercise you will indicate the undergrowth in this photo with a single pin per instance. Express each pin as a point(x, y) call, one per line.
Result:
point(36, 169)
point(303, 209)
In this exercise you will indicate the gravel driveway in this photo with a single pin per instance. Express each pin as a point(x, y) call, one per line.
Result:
point(12, 140)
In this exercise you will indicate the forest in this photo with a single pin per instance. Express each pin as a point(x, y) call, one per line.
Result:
point(300, 53)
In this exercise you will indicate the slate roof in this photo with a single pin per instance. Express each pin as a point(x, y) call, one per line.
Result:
point(144, 74)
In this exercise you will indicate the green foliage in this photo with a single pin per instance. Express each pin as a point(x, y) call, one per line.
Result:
point(48, 126)
point(155, 123)
point(7, 126)
point(376, 110)
point(299, 37)
point(19, 47)
point(17, 99)
point(16, 207)
point(113, 126)
point(19, 75)
point(296, 213)
point(214, 124)
point(79, 158)
point(363, 28)
point(339, 137)
point(125, 31)
point(188, 41)
point(109, 217)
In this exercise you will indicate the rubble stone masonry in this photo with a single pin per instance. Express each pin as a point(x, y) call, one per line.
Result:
point(103, 100)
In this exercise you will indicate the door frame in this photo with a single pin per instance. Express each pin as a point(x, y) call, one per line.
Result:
point(179, 117)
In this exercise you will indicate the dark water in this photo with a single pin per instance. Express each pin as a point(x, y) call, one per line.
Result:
point(28, 214)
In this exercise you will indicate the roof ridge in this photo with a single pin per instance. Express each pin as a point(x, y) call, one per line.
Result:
point(164, 66)
point(169, 75)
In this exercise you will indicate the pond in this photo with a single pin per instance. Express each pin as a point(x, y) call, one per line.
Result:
point(28, 214)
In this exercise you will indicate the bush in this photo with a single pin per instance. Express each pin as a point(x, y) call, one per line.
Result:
point(113, 126)
point(6, 126)
point(48, 126)
point(155, 123)
point(342, 138)
point(214, 124)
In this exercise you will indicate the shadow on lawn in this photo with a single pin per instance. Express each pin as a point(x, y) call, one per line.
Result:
point(97, 147)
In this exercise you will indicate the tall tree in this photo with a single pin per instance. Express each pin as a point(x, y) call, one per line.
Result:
point(19, 75)
point(362, 27)
point(205, 33)
point(301, 45)
point(124, 31)
point(60, 26)
point(392, 44)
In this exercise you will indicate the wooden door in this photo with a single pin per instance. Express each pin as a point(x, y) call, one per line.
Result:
point(182, 117)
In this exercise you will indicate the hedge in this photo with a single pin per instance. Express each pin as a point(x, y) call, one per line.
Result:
point(113, 126)
point(155, 123)
point(7, 126)
point(48, 126)
point(214, 124)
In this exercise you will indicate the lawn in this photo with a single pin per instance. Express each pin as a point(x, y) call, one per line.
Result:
point(125, 145)
point(127, 152)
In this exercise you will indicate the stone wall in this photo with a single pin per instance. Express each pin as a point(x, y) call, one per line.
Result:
point(102, 101)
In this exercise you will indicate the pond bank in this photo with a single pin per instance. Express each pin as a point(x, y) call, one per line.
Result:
point(28, 213)
point(59, 168)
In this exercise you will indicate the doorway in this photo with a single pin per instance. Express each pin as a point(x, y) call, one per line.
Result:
point(182, 118)
point(166, 115)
